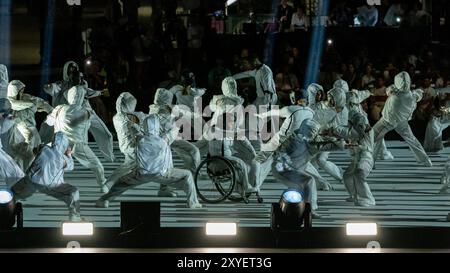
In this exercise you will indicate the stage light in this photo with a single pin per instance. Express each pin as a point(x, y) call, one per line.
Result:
point(77, 229)
point(361, 229)
point(88, 62)
point(398, 20)
point(330, 42)
point(215, 229)
point(10, 212)
point(292, 212)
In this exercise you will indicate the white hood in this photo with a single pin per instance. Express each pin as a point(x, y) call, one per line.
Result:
point(309, 129)
point(66, 68)
point(312, 90)
point(229, 87)
point(75, 95)
point(163, 97)
point(339, 96)
point(126, 103)
point(402, 82)
point(341, 84)
point(14, 87)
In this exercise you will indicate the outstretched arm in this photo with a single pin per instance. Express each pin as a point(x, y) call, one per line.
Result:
point(245, 74)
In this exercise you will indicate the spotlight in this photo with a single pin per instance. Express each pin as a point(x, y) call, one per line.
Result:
point(88, 62)
point(330, 41)
point(398, 20)
point(361, 229)
point(77, 229)
point(221, 229)
point(10, 211)
point(231, 2)
point(291, 213)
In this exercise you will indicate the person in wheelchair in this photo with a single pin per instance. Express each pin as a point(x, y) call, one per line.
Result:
point(225, 141)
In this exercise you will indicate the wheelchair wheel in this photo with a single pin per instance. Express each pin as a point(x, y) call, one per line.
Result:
point(220, 180)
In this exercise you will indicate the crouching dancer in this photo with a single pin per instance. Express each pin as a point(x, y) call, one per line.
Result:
point(292, 159)
point(46, 175)
point(154, 164)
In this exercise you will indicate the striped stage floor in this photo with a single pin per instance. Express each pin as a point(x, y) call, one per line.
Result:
point(406, 195)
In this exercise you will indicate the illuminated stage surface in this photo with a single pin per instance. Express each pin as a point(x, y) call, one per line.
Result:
point(406, 195)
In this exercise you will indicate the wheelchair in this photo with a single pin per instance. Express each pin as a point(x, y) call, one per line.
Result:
point(216, 180)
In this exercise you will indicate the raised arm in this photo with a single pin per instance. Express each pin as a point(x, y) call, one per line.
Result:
point(245, 74)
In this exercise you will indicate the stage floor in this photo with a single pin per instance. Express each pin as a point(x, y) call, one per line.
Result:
point(406, 194)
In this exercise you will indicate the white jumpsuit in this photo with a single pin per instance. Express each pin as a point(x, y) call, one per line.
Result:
point(46, 175)
point(340, 119)
point(162, 108)
point(397, 111)
point(127, 123)
point(74, 121)
point(359, 134)
point(24, 108)
point(154, 164)
point(9, 170)
point(290, 164)
point(98, 129)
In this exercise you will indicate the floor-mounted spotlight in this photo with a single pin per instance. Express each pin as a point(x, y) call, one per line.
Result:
point(292, 213)
point(10, 212)
point(221, 229)
point(77, 229)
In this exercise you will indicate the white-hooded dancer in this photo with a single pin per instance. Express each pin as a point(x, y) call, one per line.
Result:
point(397, 111)
point(24, 108)
point(74, 120)
point(9, 170)
point(293, 115)
point(59, 92)
point(292, 158)
point(154, 164)
point(127, 123)
point(46, 175)
point(360, 136)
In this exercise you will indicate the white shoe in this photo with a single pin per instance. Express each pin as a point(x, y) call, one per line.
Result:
point(364, 204)
point(102, 203)
point(167, 193)
point(387, 156)
point(75, 218)
point(315, 215)
point(196, 206)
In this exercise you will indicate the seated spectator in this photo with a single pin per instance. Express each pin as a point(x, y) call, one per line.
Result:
point(285, 83)
point(368, 79)
point(350, 75)
point(299, 20)
point(377, 99)
point(342, 15)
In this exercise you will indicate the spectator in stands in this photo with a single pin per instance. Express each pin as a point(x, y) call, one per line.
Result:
point(367, 15)
point(299, 20)
point(341, 15)
point(284, 15)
